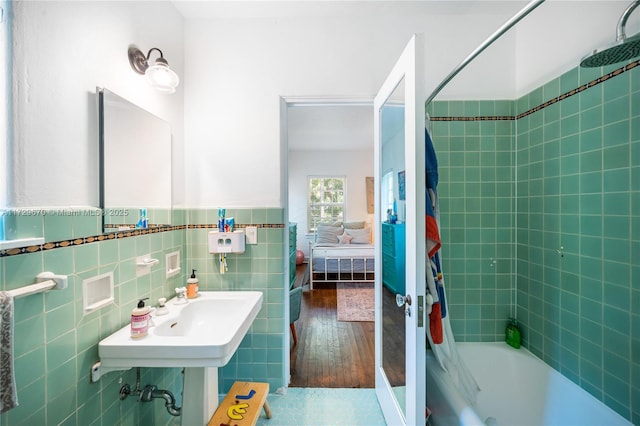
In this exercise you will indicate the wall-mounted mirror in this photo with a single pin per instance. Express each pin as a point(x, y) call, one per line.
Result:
point(392, 211)
point(135, 165)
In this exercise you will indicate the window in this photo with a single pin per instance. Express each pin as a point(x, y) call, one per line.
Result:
point(326, 201)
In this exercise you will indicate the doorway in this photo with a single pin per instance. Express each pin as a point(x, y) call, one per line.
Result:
point(328, 139)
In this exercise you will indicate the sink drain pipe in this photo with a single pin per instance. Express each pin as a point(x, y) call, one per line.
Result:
point(149, 393)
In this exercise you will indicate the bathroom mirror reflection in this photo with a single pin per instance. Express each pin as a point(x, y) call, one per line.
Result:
point(392, 209)
point(135, 165)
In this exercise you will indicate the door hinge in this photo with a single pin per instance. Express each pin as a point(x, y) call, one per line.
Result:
point(420, 311)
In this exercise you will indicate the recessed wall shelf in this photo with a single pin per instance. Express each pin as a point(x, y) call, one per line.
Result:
point(97, 292)
point(172, 260)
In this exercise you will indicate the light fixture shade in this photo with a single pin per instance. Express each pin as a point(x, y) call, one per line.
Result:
point(162, 78)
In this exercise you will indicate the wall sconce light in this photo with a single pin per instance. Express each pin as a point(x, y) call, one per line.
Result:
point(159, 75)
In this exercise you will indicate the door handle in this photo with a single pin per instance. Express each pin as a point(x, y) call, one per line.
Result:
point(404, 301)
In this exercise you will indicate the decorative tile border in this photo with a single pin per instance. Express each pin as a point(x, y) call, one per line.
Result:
point(87, 240)
point(237, 226)
point(479, 118)
point(548, 103)
point(582, 88)
point(137, 232)
point(133, 232)
point(132, 227)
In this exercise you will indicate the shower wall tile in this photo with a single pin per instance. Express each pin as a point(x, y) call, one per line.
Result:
point(476, 188)
point(559, 186)
point(591, 243)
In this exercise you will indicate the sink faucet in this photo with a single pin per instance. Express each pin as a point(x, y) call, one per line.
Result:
point(181, 293)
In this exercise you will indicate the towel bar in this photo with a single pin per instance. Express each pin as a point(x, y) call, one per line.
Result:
point(45, 281)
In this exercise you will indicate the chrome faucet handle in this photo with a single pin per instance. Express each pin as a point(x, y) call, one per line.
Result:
point(181, 293)
point(162, 306)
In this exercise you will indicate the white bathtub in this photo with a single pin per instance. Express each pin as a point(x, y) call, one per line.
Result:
point(517, 389)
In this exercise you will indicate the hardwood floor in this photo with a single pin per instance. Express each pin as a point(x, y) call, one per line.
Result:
point(331, 353)
point(339, 354)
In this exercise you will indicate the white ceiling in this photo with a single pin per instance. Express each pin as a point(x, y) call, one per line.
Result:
point(545, 44)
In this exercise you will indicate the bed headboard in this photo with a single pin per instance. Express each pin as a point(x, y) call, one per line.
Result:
point(343, 233)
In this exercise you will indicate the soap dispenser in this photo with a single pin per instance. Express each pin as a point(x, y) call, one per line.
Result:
point(140, 320)
point(513, 334)
point(192, 286)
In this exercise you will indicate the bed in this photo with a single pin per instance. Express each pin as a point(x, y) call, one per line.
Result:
point(341, 253)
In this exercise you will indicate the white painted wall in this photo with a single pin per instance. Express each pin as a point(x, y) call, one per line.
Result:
point(236, 66)
point(5, 96)
point(62, 51)
point(236, 69)
point(553, 39)
point(354, 165)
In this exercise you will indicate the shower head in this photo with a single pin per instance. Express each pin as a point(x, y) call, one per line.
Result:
point(621, 50)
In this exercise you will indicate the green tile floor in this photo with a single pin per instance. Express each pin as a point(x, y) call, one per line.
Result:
point(324, 407)
point(320, 407)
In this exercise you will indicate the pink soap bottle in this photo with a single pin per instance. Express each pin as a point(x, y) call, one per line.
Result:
point(140, 320)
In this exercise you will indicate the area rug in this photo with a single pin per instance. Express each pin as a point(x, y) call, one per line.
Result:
point(355, 301)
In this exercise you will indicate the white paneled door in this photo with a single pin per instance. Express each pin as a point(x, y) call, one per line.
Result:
point(400, 239)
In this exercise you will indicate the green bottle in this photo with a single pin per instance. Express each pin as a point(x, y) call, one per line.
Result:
point(513, 334)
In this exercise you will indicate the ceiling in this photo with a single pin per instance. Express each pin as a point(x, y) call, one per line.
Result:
point(545, 44)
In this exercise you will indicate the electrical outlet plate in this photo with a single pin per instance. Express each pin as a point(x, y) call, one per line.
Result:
point(252, 234)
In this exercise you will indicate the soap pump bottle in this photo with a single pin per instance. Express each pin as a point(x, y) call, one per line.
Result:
point(192, 285)
point(140, 320)
point(513, 334)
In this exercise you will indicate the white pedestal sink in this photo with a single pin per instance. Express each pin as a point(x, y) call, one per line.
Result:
point(200, 335)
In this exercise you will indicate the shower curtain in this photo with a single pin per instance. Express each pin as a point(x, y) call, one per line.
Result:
point(439, 328)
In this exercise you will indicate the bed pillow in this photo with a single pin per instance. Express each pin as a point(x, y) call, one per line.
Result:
point(360, 236)
point(354, 225)
point(328, 234)
point(344, 238)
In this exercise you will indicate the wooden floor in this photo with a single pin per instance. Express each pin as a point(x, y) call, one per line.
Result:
point(330, 353)
point(339, 354)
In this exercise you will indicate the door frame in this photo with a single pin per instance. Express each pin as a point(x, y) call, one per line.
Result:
point(284, 102)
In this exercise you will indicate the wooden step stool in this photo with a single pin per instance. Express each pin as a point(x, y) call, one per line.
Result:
point(242, 405)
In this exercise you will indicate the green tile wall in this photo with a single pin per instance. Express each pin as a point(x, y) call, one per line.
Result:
point(563, 230)
point(56, 343)
point(260, 356)
point(476, 190)
point(578, 233)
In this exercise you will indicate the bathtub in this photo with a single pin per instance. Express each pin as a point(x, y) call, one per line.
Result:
point(517, 389)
